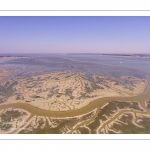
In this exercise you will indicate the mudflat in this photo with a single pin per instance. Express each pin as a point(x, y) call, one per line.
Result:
point(55, 96)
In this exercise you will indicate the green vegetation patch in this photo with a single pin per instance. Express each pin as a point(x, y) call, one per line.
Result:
point(130, 128)
point(83, 130)
point(109, 110)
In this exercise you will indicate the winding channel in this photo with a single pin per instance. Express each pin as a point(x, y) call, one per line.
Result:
point(91, 106)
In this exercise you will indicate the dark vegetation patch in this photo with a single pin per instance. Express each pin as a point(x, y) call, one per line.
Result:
point(83, 130)
point(36, 96)
point(130, 128)
point(19, 96)
point(109, 110)
point(60, 125)
point(7, 117)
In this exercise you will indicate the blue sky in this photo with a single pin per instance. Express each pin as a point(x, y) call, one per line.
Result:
point(75, 34)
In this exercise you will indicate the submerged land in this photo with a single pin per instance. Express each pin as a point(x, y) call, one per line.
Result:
point(79, 94)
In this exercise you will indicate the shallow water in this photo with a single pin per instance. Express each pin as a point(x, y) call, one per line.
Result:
point(112, 66)
point(100, 64)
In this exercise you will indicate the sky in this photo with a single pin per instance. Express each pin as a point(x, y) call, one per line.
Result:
point(56, 34)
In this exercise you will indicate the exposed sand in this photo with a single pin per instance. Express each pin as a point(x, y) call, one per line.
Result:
point(15, 123)
point(62, 91)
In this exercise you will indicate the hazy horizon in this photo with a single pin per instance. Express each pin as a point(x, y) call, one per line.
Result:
point(70, 53)
point(95, 34)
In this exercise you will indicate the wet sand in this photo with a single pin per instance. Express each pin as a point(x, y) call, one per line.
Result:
point(92, 105)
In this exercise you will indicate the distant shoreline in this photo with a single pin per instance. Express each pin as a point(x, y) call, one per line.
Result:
point(116, 54)
point(134, 55)
point(11, 56)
